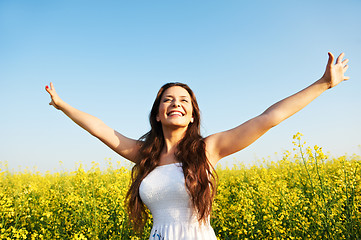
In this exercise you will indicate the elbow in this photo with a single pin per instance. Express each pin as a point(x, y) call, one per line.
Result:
point(270, 120)
point(96, 129)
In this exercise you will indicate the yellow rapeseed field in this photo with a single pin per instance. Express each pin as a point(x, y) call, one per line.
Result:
point(304, 195)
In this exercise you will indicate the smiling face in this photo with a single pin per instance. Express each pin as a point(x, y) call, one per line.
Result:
point(175, 108)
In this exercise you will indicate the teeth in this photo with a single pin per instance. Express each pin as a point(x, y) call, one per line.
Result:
point(175, 113)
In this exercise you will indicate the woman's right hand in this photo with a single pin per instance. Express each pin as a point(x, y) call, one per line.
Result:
point(55, 99)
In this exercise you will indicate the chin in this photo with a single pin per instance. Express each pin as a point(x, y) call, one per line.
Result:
point(176, 125)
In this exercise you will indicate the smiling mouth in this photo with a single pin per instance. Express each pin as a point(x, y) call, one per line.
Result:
point(175, 113)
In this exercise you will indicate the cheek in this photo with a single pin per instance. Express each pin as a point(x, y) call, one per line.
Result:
point(191, 110)
point(161, 111)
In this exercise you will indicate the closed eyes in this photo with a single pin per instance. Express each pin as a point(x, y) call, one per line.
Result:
point(168, 99)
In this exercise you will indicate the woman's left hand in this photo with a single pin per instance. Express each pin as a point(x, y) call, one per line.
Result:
point(334, 73)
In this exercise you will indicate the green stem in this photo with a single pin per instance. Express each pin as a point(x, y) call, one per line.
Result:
point(323, 197)
point(308, 173)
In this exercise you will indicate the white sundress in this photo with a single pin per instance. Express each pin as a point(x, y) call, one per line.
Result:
point(164, 192)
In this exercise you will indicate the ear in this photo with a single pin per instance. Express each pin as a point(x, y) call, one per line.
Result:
point(192, 120)
point(157, 118)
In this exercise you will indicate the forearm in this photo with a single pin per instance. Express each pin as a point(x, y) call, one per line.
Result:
point(228, 142)
point(294, 103)
point(88, 122)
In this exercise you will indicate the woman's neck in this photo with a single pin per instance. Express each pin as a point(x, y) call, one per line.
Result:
point(171, 139)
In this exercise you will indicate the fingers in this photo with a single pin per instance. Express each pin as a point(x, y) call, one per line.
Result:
point(51, 89)
point(339, 58)
point(330, 58)
point(344, 64)
point(52, 86)
point(51, 92)
point(47, 88)
point(54, 96)
point(345, 68)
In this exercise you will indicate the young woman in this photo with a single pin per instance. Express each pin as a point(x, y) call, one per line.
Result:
point(174, 166)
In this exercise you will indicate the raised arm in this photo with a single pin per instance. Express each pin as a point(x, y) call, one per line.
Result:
point(124, 146)
point(225, 143)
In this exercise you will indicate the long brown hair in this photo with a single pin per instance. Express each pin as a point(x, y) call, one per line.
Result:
point(199, 180)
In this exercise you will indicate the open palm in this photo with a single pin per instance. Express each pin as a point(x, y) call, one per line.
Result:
point(334, 73)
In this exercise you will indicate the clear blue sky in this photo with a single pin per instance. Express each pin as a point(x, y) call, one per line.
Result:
point(109, 58)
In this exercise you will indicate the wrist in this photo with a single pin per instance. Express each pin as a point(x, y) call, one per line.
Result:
point(60, 104)
point(323, 84)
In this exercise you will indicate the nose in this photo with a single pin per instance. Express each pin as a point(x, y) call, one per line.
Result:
point(176, 103)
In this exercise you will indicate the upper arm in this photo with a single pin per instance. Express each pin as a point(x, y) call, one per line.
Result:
point(124, 146)
point(222, 144)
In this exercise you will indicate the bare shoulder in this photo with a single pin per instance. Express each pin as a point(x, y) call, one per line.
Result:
point(211, 153)
point(222, 144)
